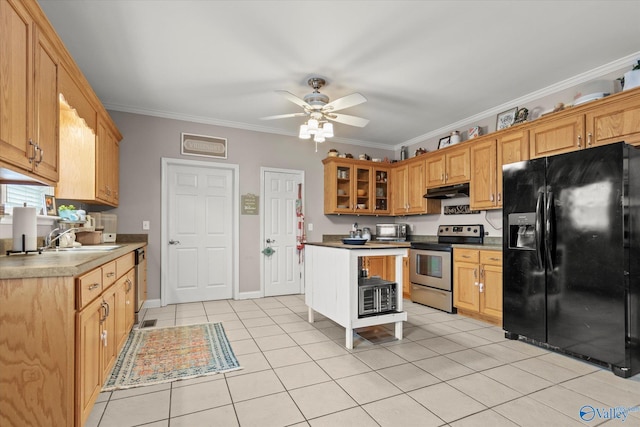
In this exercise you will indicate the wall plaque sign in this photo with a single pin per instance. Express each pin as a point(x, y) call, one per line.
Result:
point(205, 146)
point(458, 210)
point(250, 204)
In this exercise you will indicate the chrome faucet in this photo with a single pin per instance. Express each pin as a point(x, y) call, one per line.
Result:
point(49, 241)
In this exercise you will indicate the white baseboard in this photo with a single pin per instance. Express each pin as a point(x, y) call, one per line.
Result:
point(249, 295)
point(151, 303)
point(155, 303)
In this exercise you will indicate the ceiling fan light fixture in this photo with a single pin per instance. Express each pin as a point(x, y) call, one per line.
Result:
point(304, 132)
point(319, 137)
point(327, 130)
point(313, 125)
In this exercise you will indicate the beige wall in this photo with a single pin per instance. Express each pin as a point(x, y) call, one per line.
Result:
point(148, 139)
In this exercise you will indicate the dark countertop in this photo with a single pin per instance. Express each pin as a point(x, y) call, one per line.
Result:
point(52, 263)
point(368, 245)
point(485, 247)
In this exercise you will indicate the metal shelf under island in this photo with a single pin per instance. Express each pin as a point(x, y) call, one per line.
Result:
point(331, 281)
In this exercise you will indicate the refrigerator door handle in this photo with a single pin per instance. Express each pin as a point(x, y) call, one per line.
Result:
point(538, 229)
point(549, 230)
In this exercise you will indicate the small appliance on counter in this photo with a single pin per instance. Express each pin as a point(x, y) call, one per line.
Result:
point(108, 224)
point(392, 232)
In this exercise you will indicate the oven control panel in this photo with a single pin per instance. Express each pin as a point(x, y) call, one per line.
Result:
point(473, 230)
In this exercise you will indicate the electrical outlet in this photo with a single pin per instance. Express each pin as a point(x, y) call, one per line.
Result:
point(310, 227)
point(145, 225)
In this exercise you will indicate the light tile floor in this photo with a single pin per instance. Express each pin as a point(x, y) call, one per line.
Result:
point(449, 370)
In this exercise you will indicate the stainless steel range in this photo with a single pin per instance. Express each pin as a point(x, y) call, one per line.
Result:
point(431, 265)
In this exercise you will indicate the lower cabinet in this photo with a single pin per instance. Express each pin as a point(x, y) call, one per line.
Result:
point(385, 268)
point(102, 327)
point(477, 284)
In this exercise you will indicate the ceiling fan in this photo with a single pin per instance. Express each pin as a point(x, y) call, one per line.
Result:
point(317, 106)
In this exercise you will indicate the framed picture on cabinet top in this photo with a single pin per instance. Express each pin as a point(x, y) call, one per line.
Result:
point(506, 118)
point(444, 142)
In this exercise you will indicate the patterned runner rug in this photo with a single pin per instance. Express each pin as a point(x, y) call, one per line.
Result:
point(161, 355)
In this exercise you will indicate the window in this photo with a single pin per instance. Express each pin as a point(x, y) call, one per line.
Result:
point(17, 195)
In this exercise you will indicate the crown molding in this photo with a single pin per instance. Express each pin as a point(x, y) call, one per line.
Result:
point(617, 65)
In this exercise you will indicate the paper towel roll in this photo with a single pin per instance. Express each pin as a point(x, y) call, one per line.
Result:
point(24, 223)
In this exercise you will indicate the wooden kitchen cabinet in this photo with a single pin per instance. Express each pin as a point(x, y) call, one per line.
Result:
point(558, 136)
point(107, 165)
point(615, 121)
point(28, 96)
point(409, 188)
point(400, 185)
point(103, 324)
point(33, 66)
point(453, 166)
point(352, 187)
point(382, 191)
point(406, 284)
point(89, 358)
point(477, 284)
point(376, 266)
point(487, 158)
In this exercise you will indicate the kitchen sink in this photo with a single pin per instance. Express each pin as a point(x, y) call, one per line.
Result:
point(88, 248)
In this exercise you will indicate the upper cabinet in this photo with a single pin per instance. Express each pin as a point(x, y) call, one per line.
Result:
point(615, 121)
point(488, 155)
point(355, 187)
point(558, 136)
point(409, 188)
point(451, 167)
point(612, 119)
point(29, 67)
point(41, 88)
point(107, 170)
point(478, 162)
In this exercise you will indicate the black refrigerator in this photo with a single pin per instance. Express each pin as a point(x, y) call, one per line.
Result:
point(571, 248)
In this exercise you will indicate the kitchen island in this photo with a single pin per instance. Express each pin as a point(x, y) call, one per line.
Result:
point(331, 282)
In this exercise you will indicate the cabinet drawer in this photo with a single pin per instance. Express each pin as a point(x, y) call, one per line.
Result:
point(124, 264)
point(466, 255)
point(108, 274)
point(89, 287)
point(491, 257)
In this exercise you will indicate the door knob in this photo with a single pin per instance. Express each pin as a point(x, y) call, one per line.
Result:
point(271, 240)
point(174, 242)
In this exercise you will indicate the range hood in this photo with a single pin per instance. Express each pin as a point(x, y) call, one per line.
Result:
point(448, 192)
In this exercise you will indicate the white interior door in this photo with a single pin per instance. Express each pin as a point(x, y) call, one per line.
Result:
point(282, 270)
point(198, 238)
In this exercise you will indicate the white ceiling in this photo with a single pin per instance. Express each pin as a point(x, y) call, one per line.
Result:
point(422, 65)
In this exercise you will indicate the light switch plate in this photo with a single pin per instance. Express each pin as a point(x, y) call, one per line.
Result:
point(145, 225)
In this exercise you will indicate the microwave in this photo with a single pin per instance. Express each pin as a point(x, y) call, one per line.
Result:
point(392, 232)
point(376, 296)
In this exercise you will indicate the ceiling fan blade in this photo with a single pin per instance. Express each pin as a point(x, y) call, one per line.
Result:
point(291, 97)
point(283, 116)
point(348, 120)
point(345, 102)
